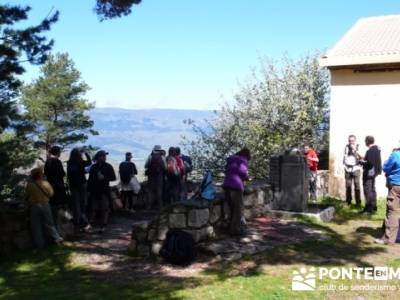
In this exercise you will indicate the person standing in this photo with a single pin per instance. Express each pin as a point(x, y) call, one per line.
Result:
point(38, 193)
point(155, 169)
point(76, 174)
point(182, 173)
point(100, 175)
point(55, 174)
point(174, 176)
point(372, 167)
point(352, 170)
point(236, 173)
point(391, 167)
point(312, 161)
point(127, 171)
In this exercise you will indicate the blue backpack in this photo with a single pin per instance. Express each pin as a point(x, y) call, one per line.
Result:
point(207, 189)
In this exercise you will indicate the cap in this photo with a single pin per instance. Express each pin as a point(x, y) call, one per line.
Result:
point(157, 148)
point(100, 153)
point(128, 154)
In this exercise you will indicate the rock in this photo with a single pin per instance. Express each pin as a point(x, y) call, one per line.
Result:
point(177, 221)
point(143, 250)
point(152, 235)
point(198, 217)
point(215, 214)
point(132, 247)
point(201, 234)
point(162, 232)
point(179, 209)
point(139, 234)
point(327, 214)
point(22, 240)
point(155, 248)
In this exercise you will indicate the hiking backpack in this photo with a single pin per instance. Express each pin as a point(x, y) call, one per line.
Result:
point(155, 167)
point(125, 172)
point(188, 164)
point(178, 248)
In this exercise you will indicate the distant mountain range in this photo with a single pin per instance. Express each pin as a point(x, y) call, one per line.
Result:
point(138, 130)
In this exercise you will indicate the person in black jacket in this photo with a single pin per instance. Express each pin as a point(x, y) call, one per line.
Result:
point(100, 175)
point(77, 183)
point(55, 174)
point(372, 167)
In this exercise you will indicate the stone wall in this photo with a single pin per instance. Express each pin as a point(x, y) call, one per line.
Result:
point(201, 218)
point(14, 231)
point(322, 183)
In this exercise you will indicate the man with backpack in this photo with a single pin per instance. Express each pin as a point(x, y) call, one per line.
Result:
point(372, 167)
point(155, 169)
point(352, 170)
point(127, 172)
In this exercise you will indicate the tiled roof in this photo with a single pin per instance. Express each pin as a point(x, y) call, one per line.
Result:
point(374, 40)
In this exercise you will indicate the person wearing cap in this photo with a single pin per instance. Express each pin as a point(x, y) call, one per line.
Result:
point(155, 170)
point(55, 174)
point(127, 171)
point(391, 167)
point(38, 193)
point(100, 175)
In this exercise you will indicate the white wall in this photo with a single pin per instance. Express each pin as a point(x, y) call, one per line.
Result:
point(363, 104)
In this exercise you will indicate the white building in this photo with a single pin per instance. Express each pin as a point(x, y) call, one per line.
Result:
point(365, 92)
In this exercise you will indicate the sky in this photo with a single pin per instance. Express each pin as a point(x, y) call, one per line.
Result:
point(190, 54)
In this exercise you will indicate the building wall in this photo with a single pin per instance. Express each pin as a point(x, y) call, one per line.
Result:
point(362, 103)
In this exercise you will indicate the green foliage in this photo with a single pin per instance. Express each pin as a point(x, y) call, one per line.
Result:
point(54, 103)
point(109, 9)
point(281, 106)
point(17, 46)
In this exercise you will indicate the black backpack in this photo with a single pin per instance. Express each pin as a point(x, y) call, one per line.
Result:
point(178, 248)
point(155, 167)
point(125, 172)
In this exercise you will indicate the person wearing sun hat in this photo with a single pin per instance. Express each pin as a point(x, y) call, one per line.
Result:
point(100, 175)
point(391, 167)
point(38, 193)
point(155, 168)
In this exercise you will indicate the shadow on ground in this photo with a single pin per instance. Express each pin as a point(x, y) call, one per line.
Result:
point(98, 266)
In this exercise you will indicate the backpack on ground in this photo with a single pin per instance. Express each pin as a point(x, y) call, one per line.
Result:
point(155, 167)
point(207, 189)
point(178, 248)
point(125, 172)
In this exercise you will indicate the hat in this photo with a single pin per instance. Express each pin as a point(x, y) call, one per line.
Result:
point(100, 153)
point(157, 148)
point(128, 154)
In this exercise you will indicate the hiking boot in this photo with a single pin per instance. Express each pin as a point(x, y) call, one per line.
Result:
point(59, 241)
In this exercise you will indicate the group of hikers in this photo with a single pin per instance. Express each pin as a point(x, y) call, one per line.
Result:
point(89, 197)
point(367, 167)
point(167, 183)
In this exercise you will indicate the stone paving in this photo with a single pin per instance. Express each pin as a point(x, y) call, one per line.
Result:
point(107, 253)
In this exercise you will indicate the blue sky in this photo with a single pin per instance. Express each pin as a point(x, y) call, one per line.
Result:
point(191, 53)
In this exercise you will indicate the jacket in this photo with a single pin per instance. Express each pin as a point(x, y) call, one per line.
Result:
point(372, 163)
point(236, 172)
point(391, 167)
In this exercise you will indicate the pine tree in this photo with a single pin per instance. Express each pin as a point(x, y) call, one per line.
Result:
point(17, 46)
point(54, 103)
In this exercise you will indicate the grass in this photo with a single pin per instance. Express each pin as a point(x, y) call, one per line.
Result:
point(50, 274)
